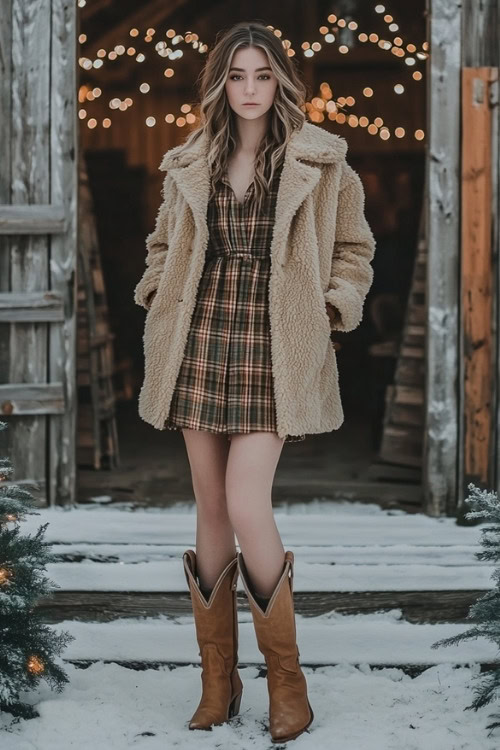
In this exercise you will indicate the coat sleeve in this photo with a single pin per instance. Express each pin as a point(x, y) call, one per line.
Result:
point(157, 248)
point(351, 274)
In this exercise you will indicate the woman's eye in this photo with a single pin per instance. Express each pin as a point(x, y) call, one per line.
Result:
point(235, 75)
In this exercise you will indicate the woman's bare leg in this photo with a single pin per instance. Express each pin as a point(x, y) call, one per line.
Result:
point(251, 465)
point(215, 544)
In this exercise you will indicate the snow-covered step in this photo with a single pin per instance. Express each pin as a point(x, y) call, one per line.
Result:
point(314, 524)
point(382, 639)
point(168, 576)
point(350, 557)
point(426, 593)
point(354, 554)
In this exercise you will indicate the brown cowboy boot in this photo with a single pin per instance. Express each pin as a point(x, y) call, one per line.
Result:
point(289, 710)
point(216, 623)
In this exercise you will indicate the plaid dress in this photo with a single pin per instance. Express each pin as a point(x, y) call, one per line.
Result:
point(225, 383)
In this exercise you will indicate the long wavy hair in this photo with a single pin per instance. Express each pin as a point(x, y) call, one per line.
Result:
point(218, 120)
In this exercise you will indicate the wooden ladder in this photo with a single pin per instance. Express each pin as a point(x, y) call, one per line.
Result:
point(97, 437)
point(402, 432)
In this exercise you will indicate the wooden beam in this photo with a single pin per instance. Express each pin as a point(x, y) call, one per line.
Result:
point(24, 307)
point(20, 399)
point(32, 219)
point(443, 197)
point(477, 277)
point(63, 134)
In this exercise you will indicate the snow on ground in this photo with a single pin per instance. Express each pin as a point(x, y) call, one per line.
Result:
point(109, 707)
point(353, 546)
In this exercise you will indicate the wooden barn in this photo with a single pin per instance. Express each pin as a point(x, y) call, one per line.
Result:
point(93, 92)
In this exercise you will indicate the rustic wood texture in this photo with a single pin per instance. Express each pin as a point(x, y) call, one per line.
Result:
point(477, 277)
point(63, 250)
point(38, 258)
point(29, 254)
point(32, 219)
point(402, 440)
point(21, 399)
point(97, 436)
point(31, 306)
point(442, 221)
point(104, 606)
point(479, 433)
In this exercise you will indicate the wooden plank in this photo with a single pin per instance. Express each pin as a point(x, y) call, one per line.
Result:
point(5, 182)
point(22, 399)
point(17, 307)
point(477, 277)
point(64, 191)
point(34, 219)
point(442, 188)
point(481, 50)
point(29, 254)
point(105, 606)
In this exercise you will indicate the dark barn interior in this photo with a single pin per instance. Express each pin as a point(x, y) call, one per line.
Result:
point(138, 67)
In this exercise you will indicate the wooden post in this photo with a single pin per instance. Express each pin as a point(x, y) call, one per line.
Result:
point(477, 279)
point(443, 190)
point(479, 330)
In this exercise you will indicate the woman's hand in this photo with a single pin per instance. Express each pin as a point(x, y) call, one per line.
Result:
point(334, 317)
point(333, 314)
point(150, 298)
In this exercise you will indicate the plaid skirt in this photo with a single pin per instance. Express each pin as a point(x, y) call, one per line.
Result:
point(225, 383)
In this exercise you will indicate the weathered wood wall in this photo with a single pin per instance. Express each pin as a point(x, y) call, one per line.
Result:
point(443, 217)
point(462, 411)
point(38, 242)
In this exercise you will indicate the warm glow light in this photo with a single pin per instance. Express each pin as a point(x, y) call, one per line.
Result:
point(82, 38)
point(419, 135)
point(144, 88)
point(92, 122)
point(82, 114)
point(35, 665)
point(417, 75)
point(150, 121)
point(106, 123)
point(399, 132)
point(343, 49)
point(134, 32)
point(368, 91)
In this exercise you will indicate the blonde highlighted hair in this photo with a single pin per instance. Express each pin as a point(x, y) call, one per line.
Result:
point(218, 120)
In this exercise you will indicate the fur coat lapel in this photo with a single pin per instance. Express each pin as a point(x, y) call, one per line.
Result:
point(189, 170)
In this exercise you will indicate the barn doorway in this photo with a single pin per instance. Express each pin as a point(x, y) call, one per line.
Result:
point(365, 68)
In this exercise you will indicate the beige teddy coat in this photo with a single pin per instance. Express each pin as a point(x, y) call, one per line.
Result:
point(320, 252)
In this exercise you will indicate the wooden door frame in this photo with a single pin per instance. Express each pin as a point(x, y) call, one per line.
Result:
point(456, 49)
point(38, 228)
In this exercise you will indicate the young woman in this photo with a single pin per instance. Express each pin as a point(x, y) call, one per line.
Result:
point(260, 249)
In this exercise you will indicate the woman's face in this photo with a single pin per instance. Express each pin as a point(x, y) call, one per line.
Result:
point(250, 79)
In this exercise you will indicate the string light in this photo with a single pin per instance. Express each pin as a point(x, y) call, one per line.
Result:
point(35, 665)
point(4, 575)
point(315, 111)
